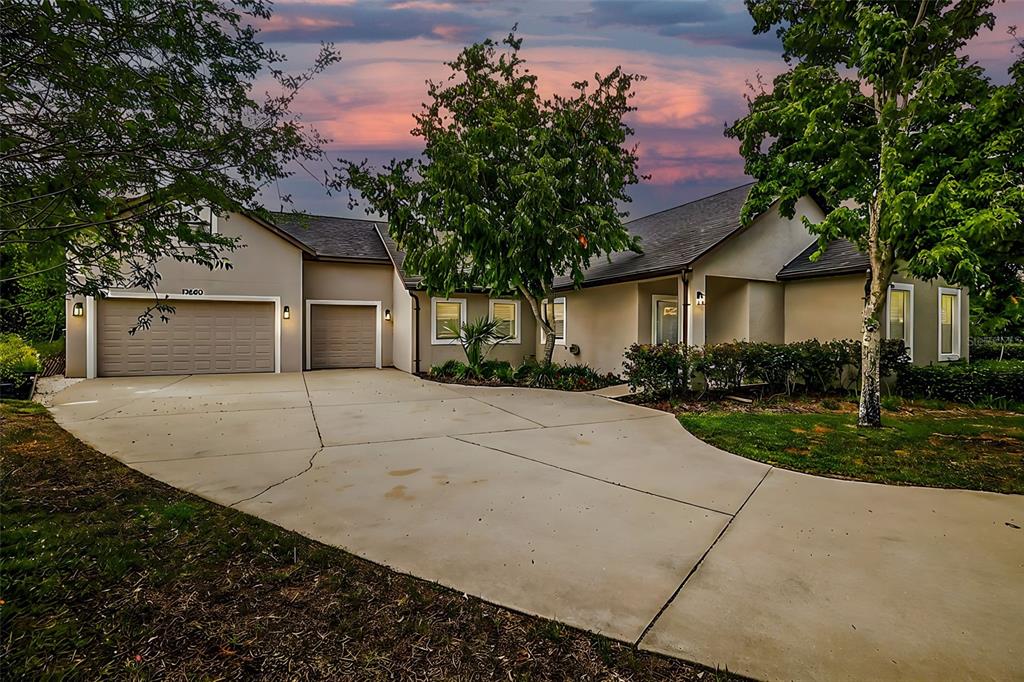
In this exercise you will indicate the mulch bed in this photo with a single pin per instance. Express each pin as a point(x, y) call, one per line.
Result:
point(108, 574)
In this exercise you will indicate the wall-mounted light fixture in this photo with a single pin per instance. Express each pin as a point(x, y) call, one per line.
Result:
point(700, 297)
point(77, 310)
point(387, 314)
point(287, 313)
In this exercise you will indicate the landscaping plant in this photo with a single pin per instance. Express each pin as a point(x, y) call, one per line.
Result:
point(478, 337)
point(513, 189)
point(914, 154)
point(18, 362)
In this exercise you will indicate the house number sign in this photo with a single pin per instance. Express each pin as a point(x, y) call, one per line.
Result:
point(192, 292)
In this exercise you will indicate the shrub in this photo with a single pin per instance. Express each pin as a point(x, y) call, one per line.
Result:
point(657, 370)
point(963, 382)
point(447, 370)
point(17, 360)
point(722, 364)
point(1009, 348)
point(772, 363)
point(478, 337)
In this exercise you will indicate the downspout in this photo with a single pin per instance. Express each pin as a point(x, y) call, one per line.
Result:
point(685, 310)
point(416, 327)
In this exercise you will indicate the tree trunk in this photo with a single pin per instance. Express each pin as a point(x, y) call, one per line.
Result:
point(870, 411)
point(549, 331)
point(876, 288)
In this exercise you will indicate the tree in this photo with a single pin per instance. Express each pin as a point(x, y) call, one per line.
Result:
point(919, 153)
point(121, 120)
point(512, 189)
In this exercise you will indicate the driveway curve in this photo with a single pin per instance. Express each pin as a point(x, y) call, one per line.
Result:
point(605, 516)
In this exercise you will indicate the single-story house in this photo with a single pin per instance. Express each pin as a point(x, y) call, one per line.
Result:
point(319, 292)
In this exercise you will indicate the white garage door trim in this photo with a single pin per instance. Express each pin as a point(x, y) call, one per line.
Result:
point(90, 322)
point(327, 301)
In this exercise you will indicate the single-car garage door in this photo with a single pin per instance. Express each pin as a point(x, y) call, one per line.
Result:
point(202, 337)
point(342, 336)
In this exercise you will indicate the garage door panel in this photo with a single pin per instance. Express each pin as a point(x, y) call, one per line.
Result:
point(201, 337)
point(342, 336)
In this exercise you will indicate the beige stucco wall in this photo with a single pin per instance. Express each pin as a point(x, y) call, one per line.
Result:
point(354, 282)
point(766, 310)
point(645, 304)
point(401, 324)
point(603, 322)
point(756, 253)
point(477, 306)
point(725, 312)
point(266, 265)
point(830, 308)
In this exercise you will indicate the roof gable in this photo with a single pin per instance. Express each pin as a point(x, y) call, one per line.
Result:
point(331, 238)
point(841, 257)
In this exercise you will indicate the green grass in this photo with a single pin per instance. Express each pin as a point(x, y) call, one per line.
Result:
point(107, 574)
point(972, 449)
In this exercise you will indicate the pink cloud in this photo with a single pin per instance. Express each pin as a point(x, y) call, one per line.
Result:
point(286, 22)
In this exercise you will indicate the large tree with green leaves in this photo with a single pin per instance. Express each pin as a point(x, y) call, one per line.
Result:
point(120, 119)
point(512, 189)
point(916, 151)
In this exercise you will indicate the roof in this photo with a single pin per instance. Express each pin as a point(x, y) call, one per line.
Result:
point(841, 257)
point(331, 238)
point(671, 239)
point(397, 256)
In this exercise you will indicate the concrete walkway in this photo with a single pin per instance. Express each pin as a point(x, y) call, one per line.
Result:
point(602, 515)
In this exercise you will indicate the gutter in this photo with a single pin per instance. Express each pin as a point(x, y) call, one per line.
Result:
point(416, 328)
point(685, 310)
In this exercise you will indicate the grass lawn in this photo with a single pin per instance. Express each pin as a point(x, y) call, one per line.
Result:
point(947, 448)
point(108, 574)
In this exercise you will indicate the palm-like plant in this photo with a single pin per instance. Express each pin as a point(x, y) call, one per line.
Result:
point(478, 337)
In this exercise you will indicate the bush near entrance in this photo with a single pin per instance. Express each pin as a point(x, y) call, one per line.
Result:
point(578, 377)
point(808, 366)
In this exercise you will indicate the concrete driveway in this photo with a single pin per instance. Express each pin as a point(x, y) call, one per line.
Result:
point(602, 515)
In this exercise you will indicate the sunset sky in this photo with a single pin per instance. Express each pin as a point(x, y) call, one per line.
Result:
point(697, 55)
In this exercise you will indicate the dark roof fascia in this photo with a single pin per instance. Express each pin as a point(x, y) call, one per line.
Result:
point(409, 286)
point(278, 231)
point(838, 272)
point(357, 261)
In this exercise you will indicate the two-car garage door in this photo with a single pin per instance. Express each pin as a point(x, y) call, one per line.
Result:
point(202, 337)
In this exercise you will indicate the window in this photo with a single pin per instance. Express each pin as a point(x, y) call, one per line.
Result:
point(900, 315)
point(664, 319)
point(554, 313)
point(949, 324)
point(507, 314)
point(447, 315)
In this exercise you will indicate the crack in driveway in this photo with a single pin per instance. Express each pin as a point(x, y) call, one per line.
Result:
point(282, 481)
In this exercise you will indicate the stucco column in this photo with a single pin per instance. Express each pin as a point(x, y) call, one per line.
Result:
point(698, 283)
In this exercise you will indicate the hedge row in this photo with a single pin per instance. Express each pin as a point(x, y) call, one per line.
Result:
point(577, 377)
point(964, 382)
point(997, 349)
point(672, 369)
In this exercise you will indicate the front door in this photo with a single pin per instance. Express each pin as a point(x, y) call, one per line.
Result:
point(666, 320)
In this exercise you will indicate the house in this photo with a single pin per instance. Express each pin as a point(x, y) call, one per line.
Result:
point(316, 292)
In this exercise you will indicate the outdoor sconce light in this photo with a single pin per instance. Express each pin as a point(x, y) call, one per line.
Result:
point(77, 310)
point(700, 297)
point(387, 314)
point(287, 313)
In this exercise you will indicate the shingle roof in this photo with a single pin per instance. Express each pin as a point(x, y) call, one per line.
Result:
point(671, 239)
point(841, 257)
point(397, 256)
point(331, 238)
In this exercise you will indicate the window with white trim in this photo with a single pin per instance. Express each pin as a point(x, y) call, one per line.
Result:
point(949, 324)
point(447, 315)
point(553, 312)
point(664, 319)
point(506, 313)
point(900, 315)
